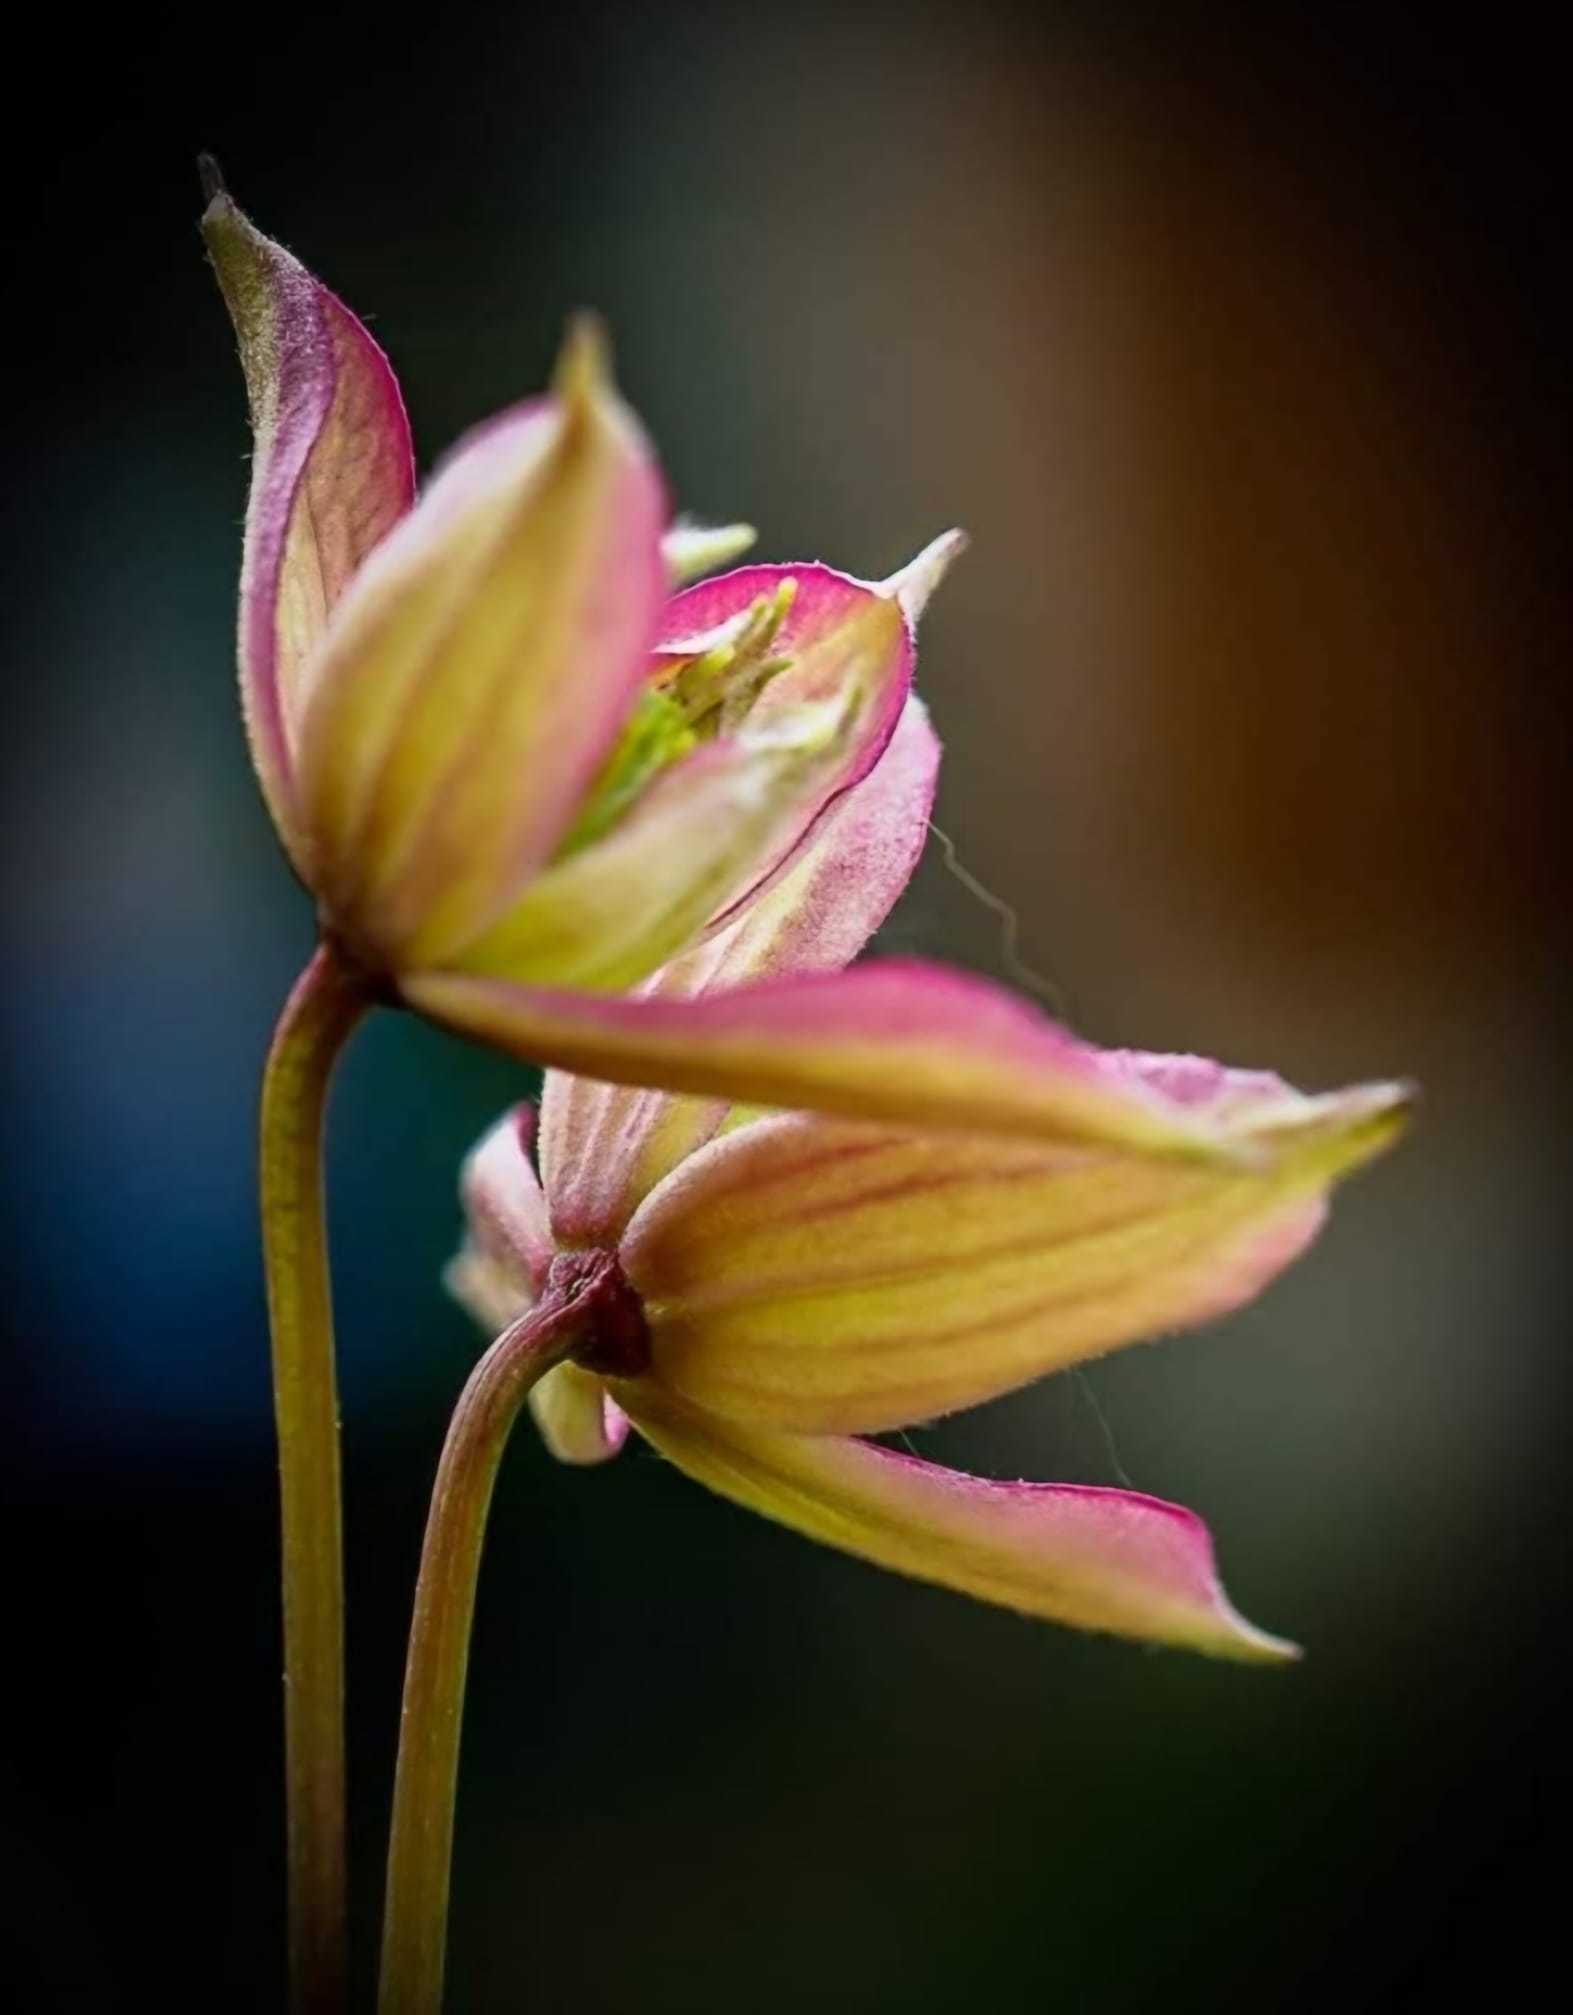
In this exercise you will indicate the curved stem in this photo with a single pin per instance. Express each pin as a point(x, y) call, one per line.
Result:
point(420, 1850)
point(328, 1001)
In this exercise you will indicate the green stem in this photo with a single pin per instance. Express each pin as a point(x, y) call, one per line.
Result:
point(328, 1001)
point(420, 1851)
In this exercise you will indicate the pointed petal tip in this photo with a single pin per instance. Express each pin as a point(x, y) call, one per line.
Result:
point(1342, 1131)
point(584, 364)
point(1395, 1097)
point(1223, 1631)
point(211, 176)
point(229, 232)
point(1380, 1099)
point(1112, 1561)
point(1245, 1644)
point(913, 585)
point(1378, 1115)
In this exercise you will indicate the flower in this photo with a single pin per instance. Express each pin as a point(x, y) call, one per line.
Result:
point(763, 1290)
point(491, 739)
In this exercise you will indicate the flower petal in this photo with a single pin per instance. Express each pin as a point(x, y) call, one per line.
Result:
point(697, 839)
point(807, 1275)
point(692, 550)
point(477, 674)
point(841, 648)
point(607, 1146)
point(896, 1041)
point(493, 1291)
point(500, 1269)
point(503, 1204)
point(331, 473)
point(913, 585)
point(578, 1418)
point(701, 615)
point(1096, 1559)
point(717, 827)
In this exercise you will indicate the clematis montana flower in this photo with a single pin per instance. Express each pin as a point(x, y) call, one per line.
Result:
point(759, 1292)
point(490, 737)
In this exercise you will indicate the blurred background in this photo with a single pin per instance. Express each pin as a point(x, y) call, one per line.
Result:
point(1235, 341)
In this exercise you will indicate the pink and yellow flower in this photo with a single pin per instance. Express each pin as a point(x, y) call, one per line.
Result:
point(760, 1291)
point(491, 738)
point(519, 773)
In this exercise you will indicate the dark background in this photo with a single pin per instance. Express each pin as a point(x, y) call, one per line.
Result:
point(1237, 341)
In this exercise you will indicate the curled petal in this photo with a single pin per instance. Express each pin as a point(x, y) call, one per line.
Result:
point(503, 1204)
point(847, 648)
point(479, 670)
point(578, 1418)
point(1107, 1560)
point(331, 473)
point(895, 1041)
point(807, 1275)
point(704, 614)
point(699, 836)
point(606, 1146)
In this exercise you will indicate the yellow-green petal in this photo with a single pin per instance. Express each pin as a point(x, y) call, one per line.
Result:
point(479, 671)
point(607, 1146)
point(1109, 1560)
point(577, 1417)
point(812, 1276)
point(331, 473)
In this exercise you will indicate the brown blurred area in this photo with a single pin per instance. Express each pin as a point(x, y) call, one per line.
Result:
point(1263, 630)
point(1265, 609)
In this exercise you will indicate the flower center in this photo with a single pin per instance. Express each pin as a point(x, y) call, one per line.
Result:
point(615, 1337)
point(715, 690)
point(708, 693)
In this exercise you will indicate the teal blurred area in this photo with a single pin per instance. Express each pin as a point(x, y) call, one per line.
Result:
point(1236, 342)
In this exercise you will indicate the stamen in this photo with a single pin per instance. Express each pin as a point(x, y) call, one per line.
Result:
point(716, 689)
